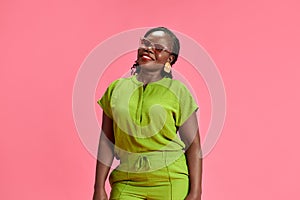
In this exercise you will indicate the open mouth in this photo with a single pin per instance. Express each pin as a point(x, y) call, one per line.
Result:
point(146, 57)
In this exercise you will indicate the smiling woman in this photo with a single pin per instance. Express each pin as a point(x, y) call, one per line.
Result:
point(161, 46)
point(141, 117)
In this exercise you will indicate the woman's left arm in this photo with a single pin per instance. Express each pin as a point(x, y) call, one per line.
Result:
point(189, 133)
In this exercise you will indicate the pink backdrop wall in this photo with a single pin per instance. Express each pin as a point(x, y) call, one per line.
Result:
point(255, 45)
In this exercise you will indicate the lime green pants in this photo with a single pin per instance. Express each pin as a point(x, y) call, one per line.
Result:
point(170, 182)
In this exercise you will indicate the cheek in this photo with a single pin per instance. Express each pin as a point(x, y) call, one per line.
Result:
point(162, 57)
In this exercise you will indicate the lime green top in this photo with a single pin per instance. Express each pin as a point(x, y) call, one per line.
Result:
point(147, 119)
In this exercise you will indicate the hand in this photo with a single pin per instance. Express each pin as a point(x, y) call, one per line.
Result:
point(193, 197)
point(100, 195)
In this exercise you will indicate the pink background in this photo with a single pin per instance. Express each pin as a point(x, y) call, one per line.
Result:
point(255, 45)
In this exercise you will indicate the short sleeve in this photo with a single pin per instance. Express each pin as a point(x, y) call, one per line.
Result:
point(187, 106)
point(105, 100)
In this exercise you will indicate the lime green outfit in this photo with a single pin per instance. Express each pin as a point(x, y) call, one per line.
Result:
point(145, 123)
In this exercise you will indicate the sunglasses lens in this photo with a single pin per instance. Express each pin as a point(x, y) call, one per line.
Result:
point(146, 43)
point(159, 47)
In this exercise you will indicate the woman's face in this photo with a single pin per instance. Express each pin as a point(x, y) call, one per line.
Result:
point(155, 51)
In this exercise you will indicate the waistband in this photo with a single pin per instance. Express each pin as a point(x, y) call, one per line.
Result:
point(147, 161)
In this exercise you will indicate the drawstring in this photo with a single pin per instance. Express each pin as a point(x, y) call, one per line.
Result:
point(142, 163)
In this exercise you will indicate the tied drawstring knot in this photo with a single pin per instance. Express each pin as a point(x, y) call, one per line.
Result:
point(142, 163)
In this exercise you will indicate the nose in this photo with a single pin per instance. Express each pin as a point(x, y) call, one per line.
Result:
point(149, 49)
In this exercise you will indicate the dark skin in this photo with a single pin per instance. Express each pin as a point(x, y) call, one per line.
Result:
point(189, 132)
point(105, 158)
point(151, 63)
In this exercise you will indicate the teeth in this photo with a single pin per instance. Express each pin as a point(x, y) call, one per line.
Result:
point(146, 57)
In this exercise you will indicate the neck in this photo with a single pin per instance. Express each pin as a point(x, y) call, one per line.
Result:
point(147, 77)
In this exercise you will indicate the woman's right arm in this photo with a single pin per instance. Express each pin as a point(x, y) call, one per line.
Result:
point(105, 158)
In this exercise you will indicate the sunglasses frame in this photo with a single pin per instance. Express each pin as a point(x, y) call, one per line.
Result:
point(155, 46)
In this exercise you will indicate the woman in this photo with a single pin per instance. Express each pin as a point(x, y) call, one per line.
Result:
point(141, 117)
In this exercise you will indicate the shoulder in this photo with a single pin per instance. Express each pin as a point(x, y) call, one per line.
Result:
point(121, 84)
point(178, 83)
point(114, 83)
point(179, 86)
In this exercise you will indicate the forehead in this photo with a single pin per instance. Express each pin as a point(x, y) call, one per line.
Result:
point(161, 37)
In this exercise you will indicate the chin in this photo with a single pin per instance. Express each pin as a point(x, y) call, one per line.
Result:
point(145, 62)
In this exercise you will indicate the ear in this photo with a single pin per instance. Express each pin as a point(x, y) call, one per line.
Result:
point(171, 58)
